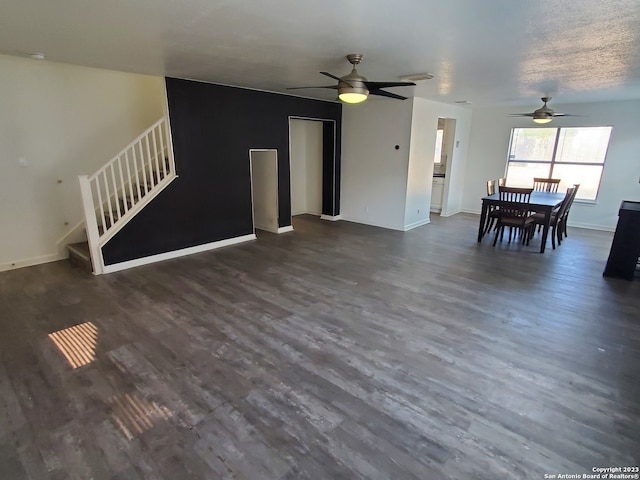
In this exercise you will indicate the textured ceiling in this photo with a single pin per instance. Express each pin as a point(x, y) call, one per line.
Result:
point(489, 52)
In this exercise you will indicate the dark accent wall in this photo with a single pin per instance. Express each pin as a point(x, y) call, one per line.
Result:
point(213, 129)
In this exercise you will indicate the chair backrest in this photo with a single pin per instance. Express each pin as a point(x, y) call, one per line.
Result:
point(502, 182)
point(575, 187)
point(515, 194)
point(545, 184)
point(515, 201)
point(566, 203)
point(491, 187)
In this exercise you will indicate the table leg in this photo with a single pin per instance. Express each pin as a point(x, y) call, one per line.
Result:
point(483, 219)
point(545, 229)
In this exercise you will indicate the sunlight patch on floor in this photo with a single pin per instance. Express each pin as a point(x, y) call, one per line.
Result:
point(77, 343)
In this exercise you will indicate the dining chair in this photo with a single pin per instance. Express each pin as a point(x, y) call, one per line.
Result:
point(546, 184)
point(502, 182)
point(565, 215)
point(556, 218)
point(514, 213)
point(492, 214)
point(543, 184)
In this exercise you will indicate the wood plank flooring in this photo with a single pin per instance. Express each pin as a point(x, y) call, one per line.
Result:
point(338, 351)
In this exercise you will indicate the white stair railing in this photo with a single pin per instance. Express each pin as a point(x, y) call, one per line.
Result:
point(123, 186)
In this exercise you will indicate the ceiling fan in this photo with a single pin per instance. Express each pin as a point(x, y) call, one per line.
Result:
point(355, 88)
point(544, 114)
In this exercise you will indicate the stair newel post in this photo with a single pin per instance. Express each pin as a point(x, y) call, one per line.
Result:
point(91, 224)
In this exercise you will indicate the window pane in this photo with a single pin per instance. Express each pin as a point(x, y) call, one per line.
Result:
point(532, 144)
point(521, 174)
point(437, 158)
point(585, 145)
point(588, 176)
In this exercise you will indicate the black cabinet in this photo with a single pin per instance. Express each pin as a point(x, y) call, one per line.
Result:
point(625, 249)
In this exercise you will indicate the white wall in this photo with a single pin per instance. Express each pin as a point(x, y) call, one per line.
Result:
point(490, 133)
point(264, 189)
point(306, 166)
point(58, 121)
point(423, 139)
point(374, 174)
point(419, 179)
point(449, 138)
point(386, 187)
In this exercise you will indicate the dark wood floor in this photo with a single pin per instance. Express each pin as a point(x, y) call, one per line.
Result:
point(336, 351)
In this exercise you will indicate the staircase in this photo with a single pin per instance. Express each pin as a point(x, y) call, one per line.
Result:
point(80, 256)
point(120, 189)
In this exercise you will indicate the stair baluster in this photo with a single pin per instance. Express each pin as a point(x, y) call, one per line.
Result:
point(124, 185)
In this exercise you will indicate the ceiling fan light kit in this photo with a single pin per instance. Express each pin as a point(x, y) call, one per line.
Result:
point(353, 95)
point(355, 88)
point(542, 119)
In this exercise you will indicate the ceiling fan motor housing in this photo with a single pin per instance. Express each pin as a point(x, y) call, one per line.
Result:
point(544, 112)
point(353, 84)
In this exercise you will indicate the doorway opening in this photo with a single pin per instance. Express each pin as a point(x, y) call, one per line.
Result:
point(306, 161)
point(445, 139)
point(264, 189)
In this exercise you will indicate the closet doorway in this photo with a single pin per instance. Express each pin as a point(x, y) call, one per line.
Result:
point(306, 153)
point(264, 189)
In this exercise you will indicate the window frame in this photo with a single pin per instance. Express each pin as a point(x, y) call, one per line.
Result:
point(552, 162)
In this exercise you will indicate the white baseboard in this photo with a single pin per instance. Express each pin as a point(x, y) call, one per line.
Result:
point(450, 214)
point(266, 228)
point(331, 218)
point(371, 224)
point(475, 212)
point(116, 267)
point(288, 228)
point(588, 226)
point(417, 224)
point(30, 262)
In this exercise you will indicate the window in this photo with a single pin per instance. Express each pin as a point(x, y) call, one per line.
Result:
point(575, 155)
point(437, 158)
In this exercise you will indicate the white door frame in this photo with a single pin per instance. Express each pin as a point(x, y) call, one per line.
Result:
point(278, 229)
point(333, 156)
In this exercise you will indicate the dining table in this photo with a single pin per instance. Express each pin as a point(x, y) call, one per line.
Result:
point(540, 202)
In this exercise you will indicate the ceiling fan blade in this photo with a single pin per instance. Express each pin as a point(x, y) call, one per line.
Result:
point(521, 114)
point(558, 114)
point(378, 85)
point(330, 75)
point(334, 87)
point(384, 93)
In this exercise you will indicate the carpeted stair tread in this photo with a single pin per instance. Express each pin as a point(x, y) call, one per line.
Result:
point(81, 249)
point(80, 256)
